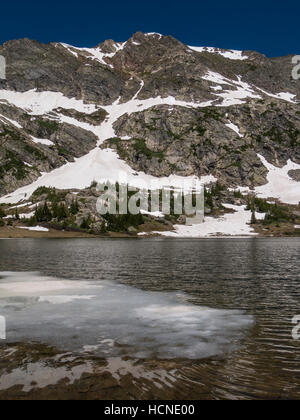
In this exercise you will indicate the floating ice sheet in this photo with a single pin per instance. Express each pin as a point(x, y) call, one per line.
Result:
point(112, 319)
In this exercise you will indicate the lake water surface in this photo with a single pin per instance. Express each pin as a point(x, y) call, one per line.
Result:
point(219, 310)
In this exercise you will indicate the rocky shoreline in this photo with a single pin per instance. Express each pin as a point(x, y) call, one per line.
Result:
point(35, 371)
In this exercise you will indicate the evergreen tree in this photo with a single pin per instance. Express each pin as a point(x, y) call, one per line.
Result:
point(2, 213)
point(55, 210)
point(86, 223)
point(59, 212)
point(103, 228)
point(43, 213)
point(62, 212)
point(253, 218)
point(74, 209)
point(32, 221)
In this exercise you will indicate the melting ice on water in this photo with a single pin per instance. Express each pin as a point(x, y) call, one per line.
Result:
point(113, 319)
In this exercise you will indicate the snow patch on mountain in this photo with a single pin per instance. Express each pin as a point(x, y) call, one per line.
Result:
point(98, 165)
point(94, 53)
point(235, 128)
point(40, 103)
point(5, 120)
point(154, 34)
point(20, 206)
point(231, 224)
point(239, 89)
point(280, 185)
point(286, 96)
point(231, 54)
point(34, 228)
point(45, 142)
point(21, 216)
point(70, 48)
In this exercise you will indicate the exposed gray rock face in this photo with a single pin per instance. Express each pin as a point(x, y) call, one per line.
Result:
point(189, 141)
point(23, 158)
point(295, 174)
point(31, 65)
point(223, 141)
point(95, 118)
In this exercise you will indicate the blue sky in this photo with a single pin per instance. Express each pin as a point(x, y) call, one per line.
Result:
point(269, 27)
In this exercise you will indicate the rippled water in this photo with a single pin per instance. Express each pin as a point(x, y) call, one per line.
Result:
point(231, 300)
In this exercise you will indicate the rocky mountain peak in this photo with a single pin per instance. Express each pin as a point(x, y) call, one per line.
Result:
point(108, 47)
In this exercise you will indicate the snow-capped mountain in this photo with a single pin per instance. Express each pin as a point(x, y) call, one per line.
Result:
point(152, 108)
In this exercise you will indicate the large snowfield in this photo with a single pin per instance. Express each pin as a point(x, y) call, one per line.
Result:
point(280, 185)
point(231, 224)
